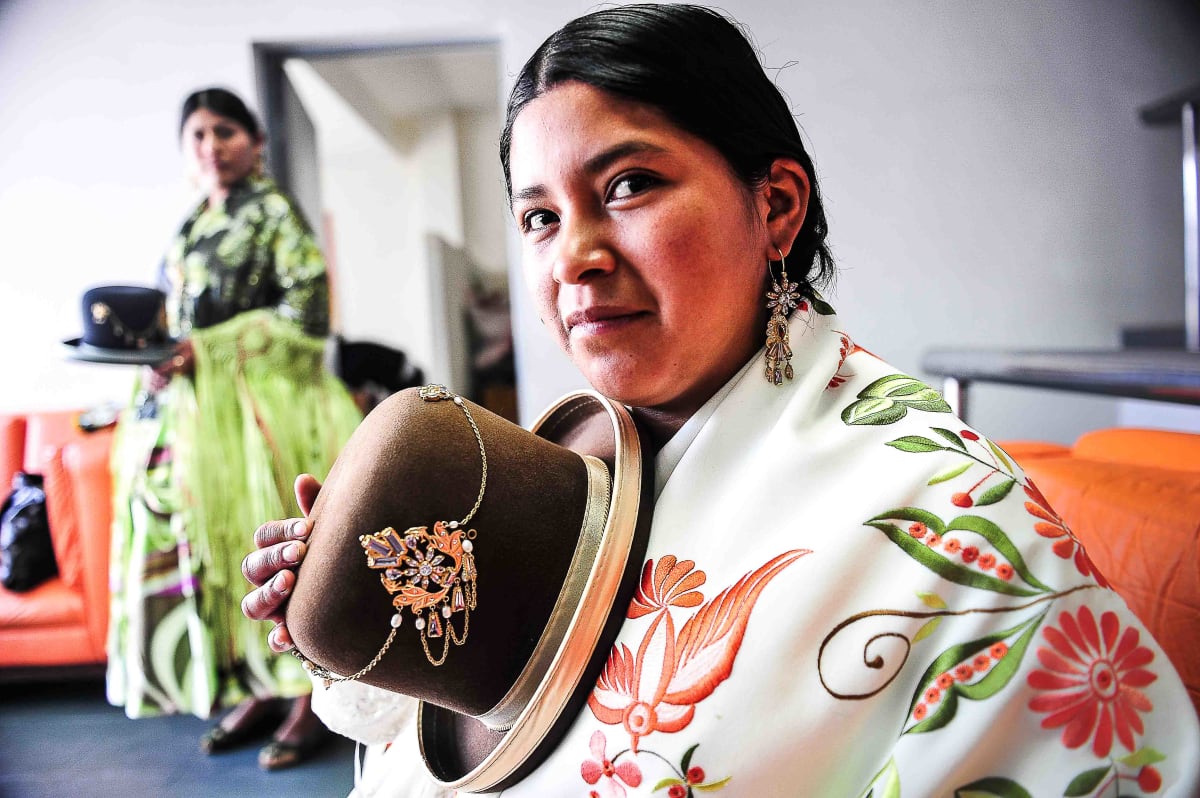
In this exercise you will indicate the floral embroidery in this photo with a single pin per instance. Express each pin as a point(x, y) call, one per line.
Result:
point(657, 688)
point(847, 348)
point(611, 776)
point(1093, 677)
point(674, 584)
point(1052, 526)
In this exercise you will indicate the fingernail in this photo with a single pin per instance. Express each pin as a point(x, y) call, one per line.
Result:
point(291, 553)
point(277, 638)
point(300, 529)
point(279, 583)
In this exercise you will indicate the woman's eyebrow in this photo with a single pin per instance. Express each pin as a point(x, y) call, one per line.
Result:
point(594, 165)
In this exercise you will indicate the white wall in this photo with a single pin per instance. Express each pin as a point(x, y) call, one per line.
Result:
point(988, 180)
point(374, 207)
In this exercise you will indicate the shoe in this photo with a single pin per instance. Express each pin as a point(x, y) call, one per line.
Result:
point(281, 754)
point(219, 738)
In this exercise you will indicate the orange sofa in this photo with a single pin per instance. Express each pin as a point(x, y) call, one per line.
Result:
point(1132, 497)
point(61, 622)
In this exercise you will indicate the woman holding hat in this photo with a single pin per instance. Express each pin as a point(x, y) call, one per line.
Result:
point(846, 590)
point(211, 440)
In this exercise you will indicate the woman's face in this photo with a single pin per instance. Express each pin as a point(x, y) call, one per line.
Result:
point(645, 252)
point(219, 151)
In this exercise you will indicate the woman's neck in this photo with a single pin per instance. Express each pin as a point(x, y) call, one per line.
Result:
point(217, 197)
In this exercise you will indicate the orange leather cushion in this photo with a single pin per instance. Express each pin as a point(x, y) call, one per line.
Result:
point(1028, 450)
point(1146, 447)
point(44, 433)
point(1141, 526)
point(51, 603)
point(64, 525)
point(12, 449)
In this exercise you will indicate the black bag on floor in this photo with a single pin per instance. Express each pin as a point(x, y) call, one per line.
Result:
point(26, 552)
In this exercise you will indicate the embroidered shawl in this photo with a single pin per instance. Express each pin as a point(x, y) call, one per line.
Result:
point(850, 592)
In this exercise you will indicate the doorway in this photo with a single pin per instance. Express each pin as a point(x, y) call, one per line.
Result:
point(390, 151)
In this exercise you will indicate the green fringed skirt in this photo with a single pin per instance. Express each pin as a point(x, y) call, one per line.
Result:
point(196, 469)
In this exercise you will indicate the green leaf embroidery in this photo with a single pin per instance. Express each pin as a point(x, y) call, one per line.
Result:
point(932, 600)
point(946, 476)
point(926, 630)
point(1000, 455)
point(893, 386)
point(927, 518)
point(1003, 671)
point(873, 411)
point(889, 398)
point(992, 788)
point(712, 786)
point(1142, 757)
point(946, 568)
point(1000, 542)
point(686, 762)
point(1086, 782)
point(995, 680)
point(887, 780)
point(950, 436)
point(664, 783)
point(822, 307)
point(916, 443)
point(995, 493)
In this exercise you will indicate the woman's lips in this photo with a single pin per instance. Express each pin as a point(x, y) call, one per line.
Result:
point(597, 321)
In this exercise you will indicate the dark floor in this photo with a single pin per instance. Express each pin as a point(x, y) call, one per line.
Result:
point(63, 739)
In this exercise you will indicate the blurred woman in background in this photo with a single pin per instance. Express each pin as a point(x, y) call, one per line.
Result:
point(210, 442)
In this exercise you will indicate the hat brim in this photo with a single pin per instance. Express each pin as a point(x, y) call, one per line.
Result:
point(461, 752)
point(150, 356)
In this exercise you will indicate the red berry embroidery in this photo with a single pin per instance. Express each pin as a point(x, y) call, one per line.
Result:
point(1149, 779)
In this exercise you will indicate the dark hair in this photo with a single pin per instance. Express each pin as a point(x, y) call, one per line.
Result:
point(699, 69)
point(223, 102)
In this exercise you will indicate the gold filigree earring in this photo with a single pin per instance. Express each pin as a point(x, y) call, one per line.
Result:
point(781, 301)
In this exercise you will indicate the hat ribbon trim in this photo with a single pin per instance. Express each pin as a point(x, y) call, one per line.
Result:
point(502, 716)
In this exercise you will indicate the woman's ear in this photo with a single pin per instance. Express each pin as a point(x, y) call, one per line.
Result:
point(786, 193)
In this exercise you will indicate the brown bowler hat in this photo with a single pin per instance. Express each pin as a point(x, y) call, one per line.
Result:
point(500, 625)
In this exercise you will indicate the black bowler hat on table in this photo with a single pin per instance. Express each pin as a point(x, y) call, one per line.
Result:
point(125, 324)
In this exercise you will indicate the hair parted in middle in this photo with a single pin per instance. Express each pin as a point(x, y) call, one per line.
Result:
point(699, 69)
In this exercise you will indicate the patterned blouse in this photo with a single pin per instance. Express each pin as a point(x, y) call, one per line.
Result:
point(254, 251)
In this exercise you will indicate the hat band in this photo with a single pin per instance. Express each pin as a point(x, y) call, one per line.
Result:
point(502, 716)
point(104, 316)
point(585, 628)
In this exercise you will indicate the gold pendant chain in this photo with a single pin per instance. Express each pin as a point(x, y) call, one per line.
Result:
point(411, 561)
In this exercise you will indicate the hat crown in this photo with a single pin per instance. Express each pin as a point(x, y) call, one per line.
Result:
point(124, 317)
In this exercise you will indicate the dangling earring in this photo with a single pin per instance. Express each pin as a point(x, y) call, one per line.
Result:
point(781, 301)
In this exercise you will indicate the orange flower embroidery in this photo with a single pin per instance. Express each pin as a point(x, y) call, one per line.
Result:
point(1093, 678)
point(1052, 526)
point(657, 688)
point(672, 584)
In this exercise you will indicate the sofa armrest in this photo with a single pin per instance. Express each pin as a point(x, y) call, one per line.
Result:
point(1152, 448)
point(86, 460)
point(12, 448)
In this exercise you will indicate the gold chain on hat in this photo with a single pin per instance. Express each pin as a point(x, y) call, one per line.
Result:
point(431, 573)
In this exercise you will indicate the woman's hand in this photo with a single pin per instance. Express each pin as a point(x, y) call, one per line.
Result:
point(280, 547)
point(181, 361)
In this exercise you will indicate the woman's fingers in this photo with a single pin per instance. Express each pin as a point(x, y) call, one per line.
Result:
point(307, 487)
point(261, 565)
point(273, 533)
point(267, 603)
point(279, 639)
